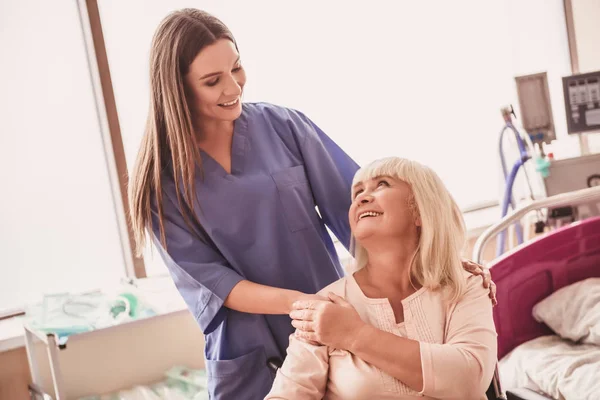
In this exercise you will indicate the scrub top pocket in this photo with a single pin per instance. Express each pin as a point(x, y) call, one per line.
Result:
point(295, 196)
point(246, 377)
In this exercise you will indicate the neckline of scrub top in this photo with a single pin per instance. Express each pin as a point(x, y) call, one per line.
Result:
point(239, 144)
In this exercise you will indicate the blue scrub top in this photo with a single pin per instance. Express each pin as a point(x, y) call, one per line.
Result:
point(259, 223)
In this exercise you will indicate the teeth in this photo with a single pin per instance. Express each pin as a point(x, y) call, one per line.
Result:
point(369, 214)
point(230, 103)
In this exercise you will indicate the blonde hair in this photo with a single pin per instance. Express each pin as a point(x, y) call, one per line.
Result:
point(437, 261)
point(169, 142)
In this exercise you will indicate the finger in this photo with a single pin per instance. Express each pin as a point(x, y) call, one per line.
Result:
point(308, 341)
point(307, 336)
point(304, 304)
point(493, 293)
point(305, 326)
point(469, 265)
point(487, 277)
point(306, 315)
point(298, 324)
point(337, 299)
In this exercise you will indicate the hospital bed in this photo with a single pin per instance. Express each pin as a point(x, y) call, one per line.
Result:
point(531, 272)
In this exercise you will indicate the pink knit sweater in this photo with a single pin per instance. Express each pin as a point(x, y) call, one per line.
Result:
point(457, 342)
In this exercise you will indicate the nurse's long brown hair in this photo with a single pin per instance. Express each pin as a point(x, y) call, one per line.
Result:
point(169, 135)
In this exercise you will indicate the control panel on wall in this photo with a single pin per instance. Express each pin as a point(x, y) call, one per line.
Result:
point(582, 102)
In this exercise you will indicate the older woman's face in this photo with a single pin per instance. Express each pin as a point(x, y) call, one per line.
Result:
point(380, 208)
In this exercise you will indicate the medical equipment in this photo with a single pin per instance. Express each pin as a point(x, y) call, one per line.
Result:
point(582, 106)
point(569, 175)
point(582, 102)
point(535, 106)
point(531, 272)
point(555, 176)
point(525, 149)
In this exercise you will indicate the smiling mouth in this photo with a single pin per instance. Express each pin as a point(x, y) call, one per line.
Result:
point(368, 214)
point(231, 103)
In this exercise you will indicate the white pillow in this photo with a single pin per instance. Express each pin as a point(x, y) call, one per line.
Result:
point(573, 312)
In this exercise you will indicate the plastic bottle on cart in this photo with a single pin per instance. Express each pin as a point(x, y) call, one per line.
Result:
point(542, 164)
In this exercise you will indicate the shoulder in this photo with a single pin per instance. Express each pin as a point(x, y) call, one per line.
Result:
point(270, 121)
point(474, 283)
point(168, 191)
point(270, 111)
point(473, 290)
point(338, 287)
point(278, 117)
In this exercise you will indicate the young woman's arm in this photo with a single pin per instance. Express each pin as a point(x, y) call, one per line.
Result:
point(205, 279)
point(254, 298)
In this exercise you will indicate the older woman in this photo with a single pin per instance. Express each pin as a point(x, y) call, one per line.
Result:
point(413, 322)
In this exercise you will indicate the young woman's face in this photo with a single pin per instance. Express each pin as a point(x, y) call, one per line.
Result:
point(215, 82)
point(381, 208)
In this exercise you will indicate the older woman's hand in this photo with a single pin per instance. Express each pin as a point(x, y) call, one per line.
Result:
point(334, 324)
point(477, 269)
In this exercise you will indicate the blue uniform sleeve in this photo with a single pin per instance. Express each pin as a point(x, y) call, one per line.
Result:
point(201, 274)
point(330, 172)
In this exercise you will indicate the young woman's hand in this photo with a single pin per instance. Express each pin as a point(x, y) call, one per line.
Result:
point(311, 300)
point(477, 269)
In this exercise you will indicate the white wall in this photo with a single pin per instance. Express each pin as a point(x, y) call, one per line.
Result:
point(58, 229)
point(586, 16)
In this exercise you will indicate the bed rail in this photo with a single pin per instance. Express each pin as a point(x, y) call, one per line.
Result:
point(578, 197)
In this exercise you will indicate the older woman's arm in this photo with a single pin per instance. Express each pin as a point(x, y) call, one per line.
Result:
point(461, 368)
point(396, 356)
point(304, 373)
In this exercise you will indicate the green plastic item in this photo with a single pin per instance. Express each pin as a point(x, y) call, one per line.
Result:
point(542, 166)
point(133, 306)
